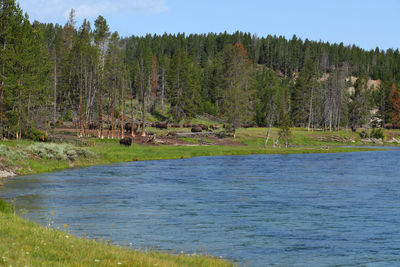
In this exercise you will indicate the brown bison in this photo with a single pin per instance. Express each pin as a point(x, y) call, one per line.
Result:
point(203, 126)
point(196, 129)
point(128, 127)
point(93, 126)
point(214, 126)
point(161, 125)
point(175, 125)
point(248, 125)
point(389, 126)
point(187, 125)
point(116, 126)
point(126, 141)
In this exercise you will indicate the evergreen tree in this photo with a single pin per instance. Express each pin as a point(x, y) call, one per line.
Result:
point(101, 35)
point(359, 105)
point(268, 89)
point(394, 99)
point(177, 80)
point(303, 94)
point(235, 84)
point(284, 122)
point(25, 71)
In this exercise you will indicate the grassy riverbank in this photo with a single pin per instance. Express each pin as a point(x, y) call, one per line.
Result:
point(26, 157)
point(24, 243)
point(110, 151)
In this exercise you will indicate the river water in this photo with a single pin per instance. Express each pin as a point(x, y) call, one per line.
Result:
point(258, 210)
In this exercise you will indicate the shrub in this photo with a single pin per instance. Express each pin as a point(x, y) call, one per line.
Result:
point(12, 154)
point(35, 135)
point(377, 133)
point(364, 134)
point(67, 116)
point(57, 151)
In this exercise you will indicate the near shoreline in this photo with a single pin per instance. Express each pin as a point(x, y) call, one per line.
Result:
point(109, 151)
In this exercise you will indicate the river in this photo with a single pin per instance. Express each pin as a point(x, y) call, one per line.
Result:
point(258, 210)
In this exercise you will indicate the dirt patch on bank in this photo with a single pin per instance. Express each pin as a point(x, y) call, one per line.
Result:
point(176, 141)
point(333, 138)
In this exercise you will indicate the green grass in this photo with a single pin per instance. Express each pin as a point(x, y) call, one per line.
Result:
point(302, 137)
point(24, 243)
point(111, 151)
point(189, 140)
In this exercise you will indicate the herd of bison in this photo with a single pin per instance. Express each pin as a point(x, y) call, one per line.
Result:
point(127, 141)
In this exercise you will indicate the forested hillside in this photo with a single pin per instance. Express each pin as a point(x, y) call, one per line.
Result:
point(95, 78)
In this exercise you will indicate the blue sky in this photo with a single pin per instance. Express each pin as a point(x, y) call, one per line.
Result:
point(365, 23)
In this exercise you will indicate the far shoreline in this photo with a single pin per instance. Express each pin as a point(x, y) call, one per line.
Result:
point(231, 151)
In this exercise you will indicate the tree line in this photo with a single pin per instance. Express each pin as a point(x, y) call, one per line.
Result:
point(97, 79)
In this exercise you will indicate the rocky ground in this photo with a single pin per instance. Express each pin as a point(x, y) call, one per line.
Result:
point(5, 174)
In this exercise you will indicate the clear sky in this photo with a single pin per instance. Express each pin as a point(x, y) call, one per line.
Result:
point(365, 23)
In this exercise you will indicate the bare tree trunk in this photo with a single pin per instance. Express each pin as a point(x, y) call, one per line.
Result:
point(132, 119)
point(163, 89)
point(269, 130)
point(108, 120)
point(311, 108)
point(81, 128)
point(18, 135)
point(266, 139)
point(2, 92)
point(80, 84)
point(100, 135)
point(55, 88)
point(123, 109)
point(122, 125)
point(100, 93)
point(118, 125)
point(143, 113)
point(112, 119)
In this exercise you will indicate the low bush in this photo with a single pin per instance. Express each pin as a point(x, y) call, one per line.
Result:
point(364, 134)
point(57, 151)
point(12, 154)
point(377, 133)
